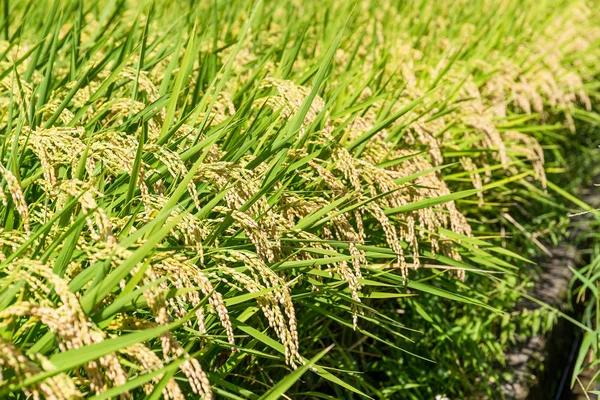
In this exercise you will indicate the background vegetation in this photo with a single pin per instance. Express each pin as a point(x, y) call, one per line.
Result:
point(327, 199)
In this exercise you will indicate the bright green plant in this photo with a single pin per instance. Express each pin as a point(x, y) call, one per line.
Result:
point(244, 200)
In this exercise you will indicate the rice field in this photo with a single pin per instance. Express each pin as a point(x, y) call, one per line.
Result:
point(291, 199)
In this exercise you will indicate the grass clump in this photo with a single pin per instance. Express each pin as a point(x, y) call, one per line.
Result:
point(221, 200)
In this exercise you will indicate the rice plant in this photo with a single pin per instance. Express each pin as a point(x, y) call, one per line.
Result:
point(261, 199)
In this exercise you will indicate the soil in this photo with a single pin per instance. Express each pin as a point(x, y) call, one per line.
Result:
point(542, 365)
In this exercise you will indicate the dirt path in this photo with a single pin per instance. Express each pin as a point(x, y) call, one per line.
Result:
point(542, 364)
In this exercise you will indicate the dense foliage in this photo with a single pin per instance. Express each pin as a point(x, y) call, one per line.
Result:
point(328, 199)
